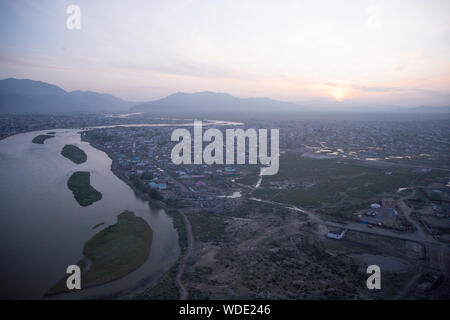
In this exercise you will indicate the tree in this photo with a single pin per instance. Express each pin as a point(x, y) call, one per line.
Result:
point(147, 175)
point(155, 194)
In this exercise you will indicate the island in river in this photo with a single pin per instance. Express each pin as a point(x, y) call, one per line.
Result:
point(74, 153)
point(113, 252)
point(41, 138)
point(85, 194)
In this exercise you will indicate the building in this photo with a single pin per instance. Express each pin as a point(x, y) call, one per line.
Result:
point(337, 234)
point(371, 213)
point(200, 184)
point(160, 186)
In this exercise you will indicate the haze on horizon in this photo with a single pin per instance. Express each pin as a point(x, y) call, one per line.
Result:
point(379, 53)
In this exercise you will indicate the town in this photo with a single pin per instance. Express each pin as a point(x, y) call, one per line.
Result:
point(213, 152)
point(356, 192)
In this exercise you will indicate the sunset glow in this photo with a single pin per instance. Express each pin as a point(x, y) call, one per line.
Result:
point(379, 52)
point(340, 93)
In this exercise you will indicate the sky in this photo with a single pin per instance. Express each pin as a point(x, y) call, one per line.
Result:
point(358, 53)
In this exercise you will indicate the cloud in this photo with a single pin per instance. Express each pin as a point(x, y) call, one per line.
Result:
point(383, 89)
point(34, 62)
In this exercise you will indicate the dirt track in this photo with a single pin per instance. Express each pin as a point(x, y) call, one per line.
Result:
point(183, 261)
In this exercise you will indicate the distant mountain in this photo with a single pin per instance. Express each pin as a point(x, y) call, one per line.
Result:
point(99, 99)
point(213, 102)
point(23, 95)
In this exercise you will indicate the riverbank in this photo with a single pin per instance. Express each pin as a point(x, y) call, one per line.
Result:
point(170, 285)
point(118, 174)
point(44, 172)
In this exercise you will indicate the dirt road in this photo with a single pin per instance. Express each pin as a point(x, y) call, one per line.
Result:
point(183, 261)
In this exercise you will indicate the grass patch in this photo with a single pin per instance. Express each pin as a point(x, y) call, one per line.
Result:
point(207, 226)
point(250, 179)
point(115, 252)
point(325, 181)
point(74, 153)
point(180, 227)
point(41, 138)
point(164, 290)
point(79, 183)
point(118, 249)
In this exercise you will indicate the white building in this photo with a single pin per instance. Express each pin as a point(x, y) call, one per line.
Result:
point(336, 234)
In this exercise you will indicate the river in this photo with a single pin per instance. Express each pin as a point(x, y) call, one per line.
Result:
point(43, 228)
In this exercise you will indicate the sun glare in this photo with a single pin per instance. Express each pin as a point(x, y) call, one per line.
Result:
point(339, 93)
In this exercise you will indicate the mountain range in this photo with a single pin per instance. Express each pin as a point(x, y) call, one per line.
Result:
point(23, 95)
point(29, 96)
point(214, 102)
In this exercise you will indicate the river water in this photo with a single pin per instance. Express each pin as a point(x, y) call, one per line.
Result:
point(43, 228)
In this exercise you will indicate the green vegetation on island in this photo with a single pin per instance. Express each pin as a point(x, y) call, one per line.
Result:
point(114, 252)
point(118, 249)
point(41, 138)
point(79, 183)
point(74, 153)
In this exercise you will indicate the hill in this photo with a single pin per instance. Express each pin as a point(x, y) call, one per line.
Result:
point(24, 95)
point(213, 102)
